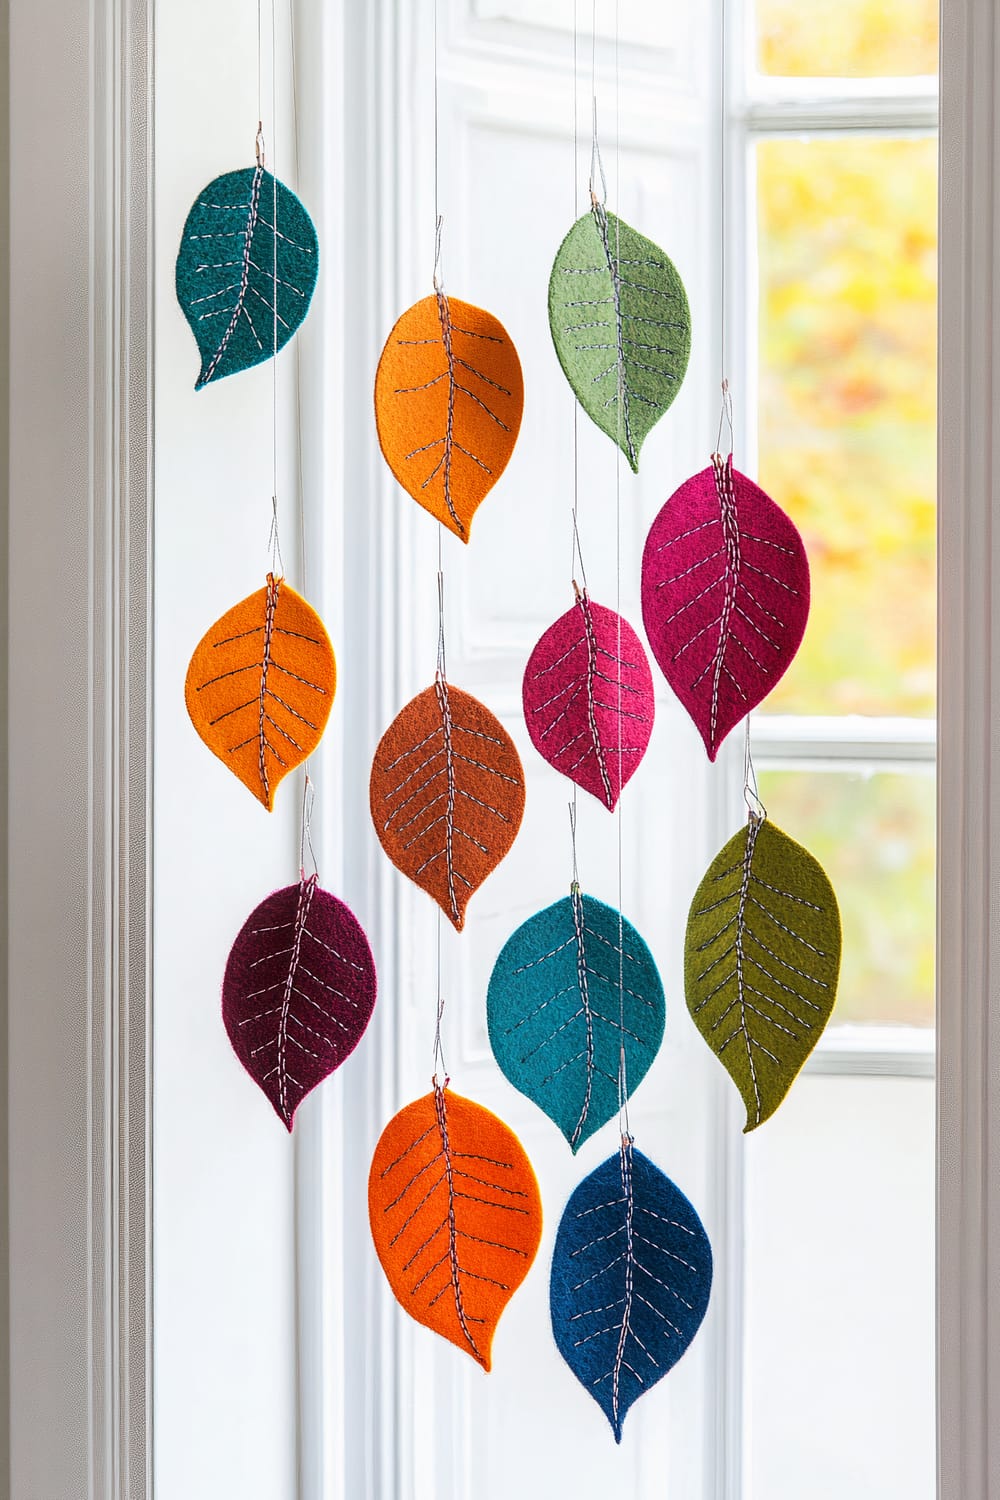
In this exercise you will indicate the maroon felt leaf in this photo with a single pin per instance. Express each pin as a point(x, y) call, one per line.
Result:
point(588, 699)
point(298, 993)
point(725, 596)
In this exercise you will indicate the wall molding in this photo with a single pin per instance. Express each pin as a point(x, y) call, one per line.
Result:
point(969, 754)
point(78, 937)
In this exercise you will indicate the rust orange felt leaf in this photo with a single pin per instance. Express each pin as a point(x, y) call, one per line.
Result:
point(447, 794)
point(448, 403)
point(260, 686)
point(456, 1216)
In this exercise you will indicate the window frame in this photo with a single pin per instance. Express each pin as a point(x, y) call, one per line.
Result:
point(761, 107)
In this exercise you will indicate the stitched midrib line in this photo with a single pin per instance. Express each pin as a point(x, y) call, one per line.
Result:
point(731, 535)
point(752, 831)
point(444, 704)
point(305, 896)
point(626, 1167)
point(441, 1110)
point(244, 275)
point(588, 625)
point(581, 970)
point(270, 608)
point(444, 315)
point(602, 226)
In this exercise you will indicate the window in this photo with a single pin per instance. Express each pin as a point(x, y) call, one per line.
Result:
point(836, 116)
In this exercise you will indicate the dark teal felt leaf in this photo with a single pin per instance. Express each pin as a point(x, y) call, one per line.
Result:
point(631, 1279)
point(554, 1016)
point(621, 326)
point(246, 270)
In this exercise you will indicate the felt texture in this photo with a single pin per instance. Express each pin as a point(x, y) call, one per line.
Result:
point(260, 686)
point(448, 402)
point(725, 596)
point(588, 699)
point(571, 986)
point(621, 326)
point(631, 1279)
point(761, 961)
point(446, 794)
point(246, 270)
point(298, 993)
point(456, 1216)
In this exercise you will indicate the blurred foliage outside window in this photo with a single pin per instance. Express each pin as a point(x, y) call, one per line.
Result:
point(874, 836)
point(847, 38)
point(847, 409)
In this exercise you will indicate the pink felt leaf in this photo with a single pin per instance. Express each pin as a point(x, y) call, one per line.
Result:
point(588, 699)
point(725, 596)
point(298, 993)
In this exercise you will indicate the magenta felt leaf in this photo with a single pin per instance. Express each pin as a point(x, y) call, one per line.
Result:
point(725, 596)
point(588, 699)
point(298, 993)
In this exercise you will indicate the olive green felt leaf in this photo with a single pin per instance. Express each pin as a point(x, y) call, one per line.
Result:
point(621, 326)
point(761, 960)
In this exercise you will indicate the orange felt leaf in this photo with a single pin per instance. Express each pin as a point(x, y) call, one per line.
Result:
point(456, 1216)
point(447, 794)
point(260, 686)
point(448, 404)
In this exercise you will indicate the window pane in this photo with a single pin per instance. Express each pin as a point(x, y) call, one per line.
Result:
point(874, 836)
point(849, 39)
point(847, 253)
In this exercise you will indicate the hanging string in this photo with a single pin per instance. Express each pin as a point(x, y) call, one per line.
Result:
point(297, 344)
point(439, 1065)
point(305, 836)
point(576, 555)
point(751, 795)
point(726, 413)
point(260, 110)
point(441, 663)
point(274, 270)
point(309, 785)
point(572, 835)
point(274, 542)
point(623, 1119)
point(596, 164)
point(576, 548)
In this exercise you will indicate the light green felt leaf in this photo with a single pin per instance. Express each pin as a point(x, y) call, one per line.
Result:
point(761, 960)
point(621, 326)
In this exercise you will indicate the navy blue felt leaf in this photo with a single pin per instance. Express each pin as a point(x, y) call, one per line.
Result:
point(246, 270)
point(631, 1277)
point(565, 984)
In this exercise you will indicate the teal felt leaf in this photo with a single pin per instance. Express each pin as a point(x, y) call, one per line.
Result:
point(761, 961)
point(246, 270)
point(621, 326)
point(554, 1015)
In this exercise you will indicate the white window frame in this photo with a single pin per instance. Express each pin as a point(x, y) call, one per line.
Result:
point(761, 107)
point(77, 1078)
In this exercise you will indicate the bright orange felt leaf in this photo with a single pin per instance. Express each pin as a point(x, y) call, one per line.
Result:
point(260, 686)
point(448, 403)
point(456, 1216)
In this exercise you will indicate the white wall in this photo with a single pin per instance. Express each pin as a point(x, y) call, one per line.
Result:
point(224, 1207)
